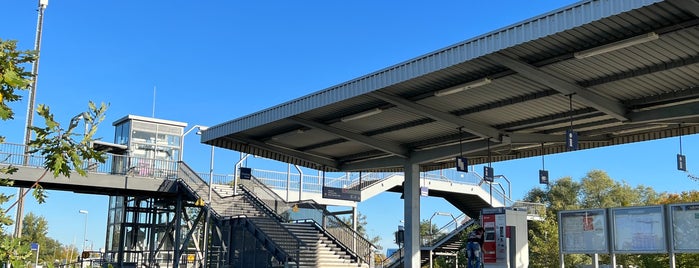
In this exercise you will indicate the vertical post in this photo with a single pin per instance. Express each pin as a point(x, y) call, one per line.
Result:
point(208, 210)
point(431, 264)
point(354, 226)
point(36, 263)
point(288, 181)
point(411, 195)
point(300, 181)
point(122, 234)
point(178, 227)
point(19, 216)
point(82, 262)
point(595, 260)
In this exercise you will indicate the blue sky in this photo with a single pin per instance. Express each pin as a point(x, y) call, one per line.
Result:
point(213, 61)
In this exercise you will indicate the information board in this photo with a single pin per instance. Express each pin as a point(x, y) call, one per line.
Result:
point(638, 230)
point(685, 227)
point(583, 231)
point(342, 194)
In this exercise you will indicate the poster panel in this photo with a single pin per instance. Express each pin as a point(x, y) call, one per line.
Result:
point(684, 219)
point(638, 230)
point(583, 231)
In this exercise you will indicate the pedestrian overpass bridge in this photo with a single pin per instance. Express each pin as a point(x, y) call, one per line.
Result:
point(274, 194)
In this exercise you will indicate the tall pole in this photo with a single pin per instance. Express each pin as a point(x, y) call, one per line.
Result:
point(85, 231)
point(19, 215)
point(208, 211)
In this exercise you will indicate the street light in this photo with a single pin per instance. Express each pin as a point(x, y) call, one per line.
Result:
point(199, 130)
point(211, 177)
point(85, 232)
point(431, 231)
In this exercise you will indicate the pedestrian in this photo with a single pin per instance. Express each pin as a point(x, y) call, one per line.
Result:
point(474, 243)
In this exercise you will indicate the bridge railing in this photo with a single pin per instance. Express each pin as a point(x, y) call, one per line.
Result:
point(14, 154)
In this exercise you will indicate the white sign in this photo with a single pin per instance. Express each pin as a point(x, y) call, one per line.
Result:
point(639, 230)
point(583, 231)
point(685, 227)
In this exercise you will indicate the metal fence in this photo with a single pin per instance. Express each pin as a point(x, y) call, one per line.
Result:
point(14, 154)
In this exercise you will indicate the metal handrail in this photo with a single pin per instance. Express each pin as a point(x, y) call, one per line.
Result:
point(442, 231)
point(13, 154)
point(346, 237)
point(284, 245)
point(190, 177)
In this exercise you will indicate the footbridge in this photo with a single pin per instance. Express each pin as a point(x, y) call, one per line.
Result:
point(257, 209)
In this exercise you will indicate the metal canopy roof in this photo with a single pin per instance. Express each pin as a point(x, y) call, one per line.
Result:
point(617, 72)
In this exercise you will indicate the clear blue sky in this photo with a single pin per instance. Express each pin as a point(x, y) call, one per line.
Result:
point(213, 61)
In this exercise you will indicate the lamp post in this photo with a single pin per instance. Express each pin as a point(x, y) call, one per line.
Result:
point(199, 130)
point(84, 234)
point(19, 213)
point(431, 230)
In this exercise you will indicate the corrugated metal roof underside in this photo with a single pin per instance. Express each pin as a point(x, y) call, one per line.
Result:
point(631, 94)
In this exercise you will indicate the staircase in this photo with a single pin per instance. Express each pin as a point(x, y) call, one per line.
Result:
point(298, 244)
point(444, 244)
point(320, 250)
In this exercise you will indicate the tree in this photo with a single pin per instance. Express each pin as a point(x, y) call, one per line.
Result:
point(36, 229)
point(596, 190)
point(61, 148)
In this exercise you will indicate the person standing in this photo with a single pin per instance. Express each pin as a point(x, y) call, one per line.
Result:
point(474, 243)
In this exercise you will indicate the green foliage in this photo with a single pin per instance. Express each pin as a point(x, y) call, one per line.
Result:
point(62, 151)
point(596, 190)
point(13, 76)
point(361, 228)
point(60, 148)
point(14, 252)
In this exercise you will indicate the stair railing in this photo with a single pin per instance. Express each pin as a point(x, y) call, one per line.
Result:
point(335, 228)
point(446, 230)
point(286, 243)
point(283, 244)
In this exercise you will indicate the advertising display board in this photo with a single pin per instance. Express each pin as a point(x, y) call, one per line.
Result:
point(684, 221)
point(638, 230)
point(583, 231)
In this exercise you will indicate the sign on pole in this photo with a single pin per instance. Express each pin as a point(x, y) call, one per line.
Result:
point(461, 164)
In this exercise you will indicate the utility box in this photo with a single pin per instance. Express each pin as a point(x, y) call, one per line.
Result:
point(506, 244)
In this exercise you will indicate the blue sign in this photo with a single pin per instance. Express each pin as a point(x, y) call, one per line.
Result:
point(461, 164)
point(543, 176)
point(488, 174)
point(571, 140)
point(35, 246)
point(245, 173)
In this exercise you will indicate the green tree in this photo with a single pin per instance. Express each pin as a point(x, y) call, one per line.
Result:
point(36, 230)
point(595, 190)
point(61, 148)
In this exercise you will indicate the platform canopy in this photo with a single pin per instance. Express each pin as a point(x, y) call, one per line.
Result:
point(614, 72)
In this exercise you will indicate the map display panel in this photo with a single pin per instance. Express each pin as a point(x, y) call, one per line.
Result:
point(639, 230)
point(583, 231)
point(685, 227)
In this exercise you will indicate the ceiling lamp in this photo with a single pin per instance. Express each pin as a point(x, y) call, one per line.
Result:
point(617, 45)
point(457, 89)
point(361, 115)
